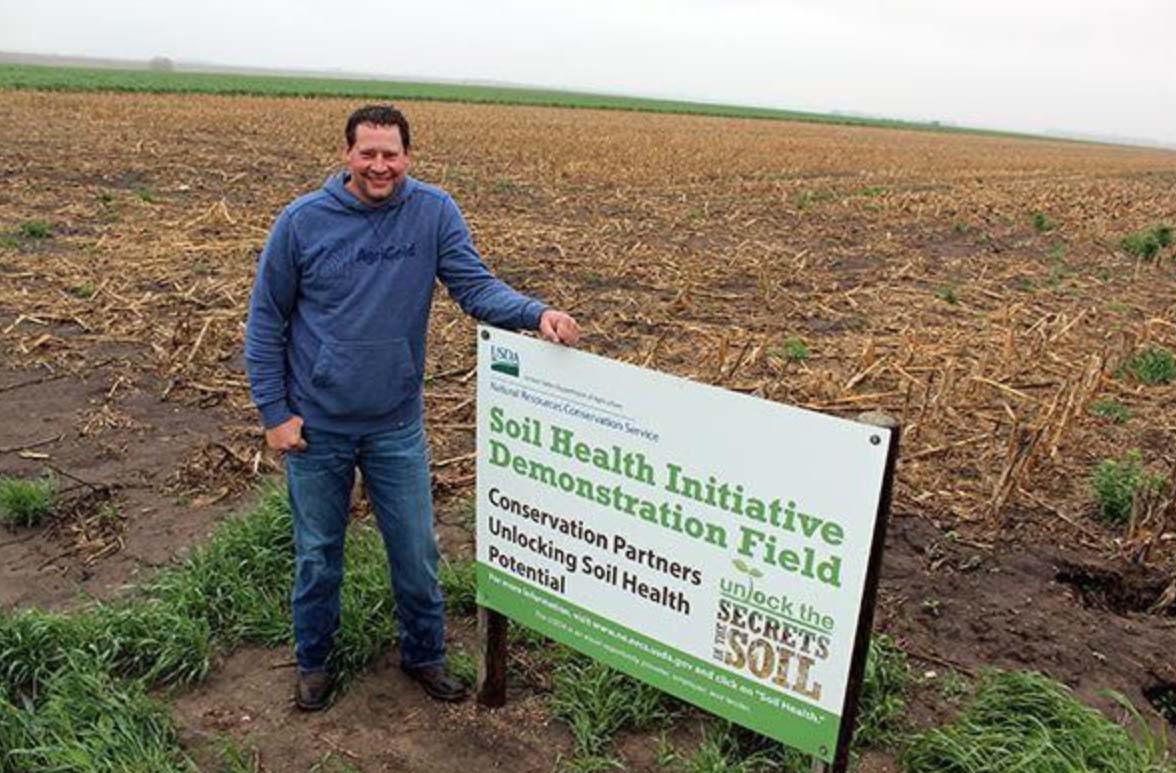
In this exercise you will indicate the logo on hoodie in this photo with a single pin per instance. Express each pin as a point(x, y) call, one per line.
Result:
point(388, 253)
point(341, 260)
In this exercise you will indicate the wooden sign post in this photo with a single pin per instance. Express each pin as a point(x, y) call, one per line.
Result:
point(491, 686)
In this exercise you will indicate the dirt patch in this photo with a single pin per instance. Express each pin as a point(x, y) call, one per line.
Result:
point(383, 723)
point(948, 247)
point(825, 326)
point(1119, 588)
point(952, 602)
point(113, 446)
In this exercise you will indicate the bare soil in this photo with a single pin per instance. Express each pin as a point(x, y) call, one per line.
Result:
point(383, 723)
point(110, 443)
point(953, 603)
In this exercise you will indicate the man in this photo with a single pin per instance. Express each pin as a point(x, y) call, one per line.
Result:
point(335, 349)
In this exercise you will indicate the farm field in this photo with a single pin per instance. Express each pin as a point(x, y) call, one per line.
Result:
point(40, 77)
point(1010, 300)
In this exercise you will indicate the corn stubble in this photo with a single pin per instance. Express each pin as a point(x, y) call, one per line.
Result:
point(676, 239)
point(703, 247)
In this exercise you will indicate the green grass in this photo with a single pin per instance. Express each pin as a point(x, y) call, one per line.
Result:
point(805, 199)
point(36, 229)
point(85, 291)
point(1042, 222)
point(886, 682)
point(954, 686)
point(460, 582)
point(463, 665)
point(48, 78)
point(726, 748)
point(75, 687)
point(26, 502)
point(238, 583)
point(1153, 365)
point(87, 720)
point(1028, 723)
point(794, 349)
point(231, 758)
point(948, 294)
point(231, 591)
point(1147, 243)
point(596, 702)
point(1117, 483)
point(1110, 409)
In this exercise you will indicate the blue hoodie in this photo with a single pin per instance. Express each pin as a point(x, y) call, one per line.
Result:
point(340, 306)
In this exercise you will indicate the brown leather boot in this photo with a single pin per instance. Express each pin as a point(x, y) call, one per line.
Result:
point(438, 683)
point(313, 690)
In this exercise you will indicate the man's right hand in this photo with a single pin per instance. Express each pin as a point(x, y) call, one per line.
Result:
point(287, 436)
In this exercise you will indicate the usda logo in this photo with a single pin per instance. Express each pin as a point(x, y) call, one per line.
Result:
point(504, 360)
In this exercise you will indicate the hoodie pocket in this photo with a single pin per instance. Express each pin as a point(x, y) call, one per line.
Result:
point(363, 380)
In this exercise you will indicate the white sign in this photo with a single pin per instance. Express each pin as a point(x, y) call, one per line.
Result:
point(712, 544)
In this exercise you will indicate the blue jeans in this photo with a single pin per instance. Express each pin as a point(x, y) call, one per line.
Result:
point(395, 467)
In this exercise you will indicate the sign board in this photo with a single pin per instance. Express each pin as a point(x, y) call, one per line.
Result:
point(714, 545)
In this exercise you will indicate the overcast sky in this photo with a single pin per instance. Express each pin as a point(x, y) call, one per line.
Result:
point(1094, 66)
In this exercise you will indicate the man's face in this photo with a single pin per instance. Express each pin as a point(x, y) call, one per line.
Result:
point(377, 161)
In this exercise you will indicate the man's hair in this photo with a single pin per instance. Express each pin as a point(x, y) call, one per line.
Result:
point(380, 115)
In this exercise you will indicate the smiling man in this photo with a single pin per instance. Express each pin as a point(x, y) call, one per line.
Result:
point(335, 349)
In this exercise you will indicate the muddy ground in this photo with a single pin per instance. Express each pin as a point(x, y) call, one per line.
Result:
point(114, 449)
